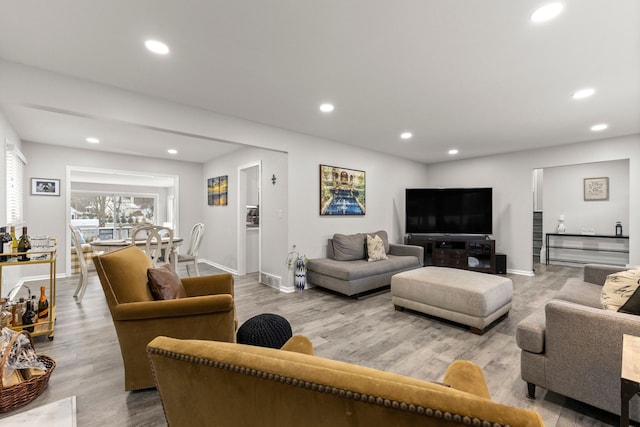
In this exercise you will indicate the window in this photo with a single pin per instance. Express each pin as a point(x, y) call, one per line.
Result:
point(15, 163)
point(110, 216)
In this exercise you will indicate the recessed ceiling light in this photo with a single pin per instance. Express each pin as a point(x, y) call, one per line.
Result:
point(172, 151)
point(453, 151)
point(156, 46)
point(92, 140)
point(583, 93)
point(547, 12)
point(406, 135)
point(326, 108)
point(599, 127)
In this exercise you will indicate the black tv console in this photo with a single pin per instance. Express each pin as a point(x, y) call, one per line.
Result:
point(475, 253)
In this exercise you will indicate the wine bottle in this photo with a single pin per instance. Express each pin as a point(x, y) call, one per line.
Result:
point(27, 317)
point(14, 240)
point(24, 244)
point(5, 245)
point(43, 306)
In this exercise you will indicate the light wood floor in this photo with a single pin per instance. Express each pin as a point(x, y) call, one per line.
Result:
point(366, 331)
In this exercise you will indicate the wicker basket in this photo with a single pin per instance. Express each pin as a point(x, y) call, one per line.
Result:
point(24, 392)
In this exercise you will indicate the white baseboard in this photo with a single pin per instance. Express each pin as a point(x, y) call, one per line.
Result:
point(219, 266)
point(521, 272)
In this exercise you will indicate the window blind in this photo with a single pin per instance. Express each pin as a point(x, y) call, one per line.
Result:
point(16, 163)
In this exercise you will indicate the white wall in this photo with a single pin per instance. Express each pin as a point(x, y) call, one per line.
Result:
point(290, 209)
point(224, 223)
point(563, 195)
point(386, 180)
point(511, 177)
point(295, 196)
point(47, 215)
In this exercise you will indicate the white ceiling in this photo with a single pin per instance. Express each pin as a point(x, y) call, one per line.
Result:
point(474, 75)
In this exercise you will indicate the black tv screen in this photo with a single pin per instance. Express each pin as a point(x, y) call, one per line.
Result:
point(449, 210)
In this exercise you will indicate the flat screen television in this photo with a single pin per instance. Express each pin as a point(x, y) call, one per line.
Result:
point(449, 210)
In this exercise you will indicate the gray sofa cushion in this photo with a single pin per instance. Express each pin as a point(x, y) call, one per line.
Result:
point(348, 247)
point(357, 269)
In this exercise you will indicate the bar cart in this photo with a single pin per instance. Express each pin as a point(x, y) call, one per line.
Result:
point(38, 255)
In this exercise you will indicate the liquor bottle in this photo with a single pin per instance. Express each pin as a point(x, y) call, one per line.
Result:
point(24, 244)
point(14, 240)
point(20, 309)
point(43, 306)
point(27, 317)
point(5, 245)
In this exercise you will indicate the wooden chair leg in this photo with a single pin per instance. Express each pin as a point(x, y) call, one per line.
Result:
point(195, 266)
point(77, 291)
point(82, 287)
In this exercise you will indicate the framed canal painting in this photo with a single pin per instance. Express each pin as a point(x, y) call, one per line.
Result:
point(342, 191)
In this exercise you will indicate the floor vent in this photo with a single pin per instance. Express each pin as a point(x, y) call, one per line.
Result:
point(270, 280)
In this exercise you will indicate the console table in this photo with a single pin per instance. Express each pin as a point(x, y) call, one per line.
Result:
point(575, 248)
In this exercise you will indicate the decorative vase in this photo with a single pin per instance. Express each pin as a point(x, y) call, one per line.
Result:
point(560, 228)
point(300, 275)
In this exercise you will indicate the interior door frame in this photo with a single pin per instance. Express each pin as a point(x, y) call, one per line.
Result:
point(242, 216)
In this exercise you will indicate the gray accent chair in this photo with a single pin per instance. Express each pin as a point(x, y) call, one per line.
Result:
point(572, 346)
point(347, 271)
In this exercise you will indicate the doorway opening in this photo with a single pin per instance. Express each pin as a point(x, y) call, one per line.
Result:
point(249, 223)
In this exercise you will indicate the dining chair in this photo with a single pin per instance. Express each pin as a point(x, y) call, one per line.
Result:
point(158, 243)
point(197, 231)
point(84, 273)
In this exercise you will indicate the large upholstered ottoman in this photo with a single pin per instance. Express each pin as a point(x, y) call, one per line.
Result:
point(467, 297)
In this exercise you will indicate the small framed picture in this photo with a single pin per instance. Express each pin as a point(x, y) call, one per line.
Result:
point(596, 188)
point(45, 187)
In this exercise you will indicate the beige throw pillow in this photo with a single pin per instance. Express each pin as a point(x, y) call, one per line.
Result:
point(375, 248)
point(618, 288)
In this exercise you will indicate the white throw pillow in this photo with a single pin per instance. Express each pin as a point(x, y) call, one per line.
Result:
point(375, 248)
point(618, 288)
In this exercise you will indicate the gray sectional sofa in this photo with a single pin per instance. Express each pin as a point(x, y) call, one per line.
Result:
point(572, 346)
point(346, 268)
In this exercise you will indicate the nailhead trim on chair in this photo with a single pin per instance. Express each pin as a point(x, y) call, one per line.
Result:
point(375, 400)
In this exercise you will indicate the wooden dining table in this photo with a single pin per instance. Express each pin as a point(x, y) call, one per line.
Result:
point(109, 245)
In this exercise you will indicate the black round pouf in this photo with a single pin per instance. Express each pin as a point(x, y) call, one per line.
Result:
point(265, 330)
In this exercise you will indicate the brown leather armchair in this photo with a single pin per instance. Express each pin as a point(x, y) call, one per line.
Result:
point(208, 312)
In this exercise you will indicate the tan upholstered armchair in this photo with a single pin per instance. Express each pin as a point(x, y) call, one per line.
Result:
point(237, 385)
point(208, 312)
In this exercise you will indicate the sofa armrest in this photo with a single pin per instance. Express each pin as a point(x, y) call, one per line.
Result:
point(173, 308)
point(597, 273)
point(466, 376)
point(579, 338)
point(299, 344)
point(407, 250)
point(208, 285)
